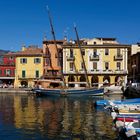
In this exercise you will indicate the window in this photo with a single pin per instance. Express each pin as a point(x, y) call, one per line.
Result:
point(48, 61)
point(23, 60)
point(11, 58)
point(37, 73)
point(106, 65)
point(106, 51)
point(94, 43)
point(71, 53)
point(118, 52)
point(71, 66)
point(95, 65)
point(82, 65)
point(95, 52)
point(37, 60)
point(8, 72)
point(23, 73)
point(118, 65)
point(83, 51)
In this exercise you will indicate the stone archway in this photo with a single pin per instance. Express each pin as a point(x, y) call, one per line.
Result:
point(82, 79)
point(71, 78)
point(118, 80)
point(94, 81)
point(24, 84)
point(106, 80)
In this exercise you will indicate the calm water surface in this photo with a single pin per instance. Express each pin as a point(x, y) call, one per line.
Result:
point(24, 117)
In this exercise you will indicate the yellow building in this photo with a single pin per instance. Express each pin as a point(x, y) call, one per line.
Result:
point(29, 66)
point(105, 60)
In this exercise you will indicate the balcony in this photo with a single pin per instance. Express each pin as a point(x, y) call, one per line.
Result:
point(120, 71)
point(107, 71)
point(94, 58)
point(51, 76)
point(118, 57)
point(70, 58)
point(94, 71)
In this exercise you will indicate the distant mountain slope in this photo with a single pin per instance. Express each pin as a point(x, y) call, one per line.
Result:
point(2, 52)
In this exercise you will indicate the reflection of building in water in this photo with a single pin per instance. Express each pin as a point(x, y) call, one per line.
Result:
point(29, 115)
point(87, 125)
point(103, 123)
point(76, 123)
point(6, 109)
point(44, 116)
point(76, 114)
point(66, 117)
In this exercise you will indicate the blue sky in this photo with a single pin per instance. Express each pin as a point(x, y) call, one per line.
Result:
point(26, 21)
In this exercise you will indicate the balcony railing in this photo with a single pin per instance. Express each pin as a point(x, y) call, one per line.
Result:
point(118, 57)
point(97, 71)
point(52, 76)
point(27, 77)
point(70, 58)
point(94, 58)
point(94, 70)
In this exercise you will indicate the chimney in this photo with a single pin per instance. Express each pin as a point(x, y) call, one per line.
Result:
point(23, 48)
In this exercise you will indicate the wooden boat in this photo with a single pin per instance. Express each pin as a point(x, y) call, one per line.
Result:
point(69, 92)
point(128, 130)
point(127, 119)
point(113, 89)
point(130, 112)
point(125, 101)
point(66, 91)
point(129, 116)
point(132, 91)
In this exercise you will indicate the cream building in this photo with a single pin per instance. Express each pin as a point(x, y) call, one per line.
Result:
point(105, 60)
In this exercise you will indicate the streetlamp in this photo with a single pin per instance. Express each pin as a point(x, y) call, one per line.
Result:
point(134, 67)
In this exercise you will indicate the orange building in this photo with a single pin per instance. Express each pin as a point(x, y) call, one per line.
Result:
point(53, 61)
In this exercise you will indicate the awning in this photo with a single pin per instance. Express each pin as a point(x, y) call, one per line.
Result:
point(7, 78)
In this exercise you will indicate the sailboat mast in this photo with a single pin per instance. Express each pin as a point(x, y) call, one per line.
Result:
point(54, 38)
point(87, 80)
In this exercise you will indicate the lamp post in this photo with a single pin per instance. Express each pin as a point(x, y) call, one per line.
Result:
point(133, 67)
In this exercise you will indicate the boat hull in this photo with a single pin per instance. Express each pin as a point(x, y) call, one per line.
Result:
point(69, 92)
point(117, 102)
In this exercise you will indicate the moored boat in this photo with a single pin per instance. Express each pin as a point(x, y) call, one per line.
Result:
point(132, 91)
point(69, 92)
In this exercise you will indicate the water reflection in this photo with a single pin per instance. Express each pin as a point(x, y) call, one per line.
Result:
point(27, 117)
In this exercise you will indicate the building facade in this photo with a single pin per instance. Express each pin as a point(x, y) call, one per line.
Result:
point(105, 61)
point(53, 60)
point(7, 69)
point(134, 63)
point(29, 66)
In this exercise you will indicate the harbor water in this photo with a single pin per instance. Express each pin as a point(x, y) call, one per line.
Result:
point(24, 117)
